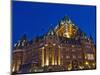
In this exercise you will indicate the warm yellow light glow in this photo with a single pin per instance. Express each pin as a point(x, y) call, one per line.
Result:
point(46, 44)
point(18, 64)
point(93, 64)
point(54, 44)
point(59, 46)
point(89, 56)
point(47, 58)
point(66, 35)
point(89, 66)
point(47, 62)
point(17, 67)
point(59, 57)
point(42, 56)
point(85, 56)
point(52, 56)
point(70, 30)
point(86, 63)
point(73, 45)
point(69, 66)
point(42, 48)
point(55, 62)
point(66, 30)
point(13, 68)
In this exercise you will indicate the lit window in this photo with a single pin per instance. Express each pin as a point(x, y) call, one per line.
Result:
point(86, 63)
point(46, 44)
point(69, 66)
point(54, 44)
point(74, 56)
point(67, 57)
point(66, 34)
point(90, 57)
point(85, 56)
point(62, 22)
point(52, 33)
point(93, 64)
point(13, 69)
point(73, 45)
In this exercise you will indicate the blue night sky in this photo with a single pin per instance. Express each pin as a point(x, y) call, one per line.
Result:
point(34, 19)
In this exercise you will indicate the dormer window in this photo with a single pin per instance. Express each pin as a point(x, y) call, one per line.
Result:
point(15, 44)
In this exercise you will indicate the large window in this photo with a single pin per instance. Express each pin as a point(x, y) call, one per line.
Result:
point(89, 56)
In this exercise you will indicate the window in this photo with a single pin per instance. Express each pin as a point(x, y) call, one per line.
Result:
point(67, 57)
point(89, 56)
point(74, 56)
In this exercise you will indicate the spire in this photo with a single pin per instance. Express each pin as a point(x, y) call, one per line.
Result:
point(66, 28)
point(91, 38)
point(66, 18)
point(51, 30)
point(22, 42)
point(24, 37)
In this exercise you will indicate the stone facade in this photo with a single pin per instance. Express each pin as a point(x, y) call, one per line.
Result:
point(64, 47)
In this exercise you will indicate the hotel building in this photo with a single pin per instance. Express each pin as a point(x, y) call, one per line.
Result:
point(62, 48)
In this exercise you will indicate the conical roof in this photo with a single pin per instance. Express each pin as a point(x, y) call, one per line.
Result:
point(66, 28)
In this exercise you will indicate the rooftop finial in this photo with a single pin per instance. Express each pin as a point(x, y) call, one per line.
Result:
point(66, 18)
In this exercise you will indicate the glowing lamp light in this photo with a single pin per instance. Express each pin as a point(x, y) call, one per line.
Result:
point(47, 62)
point(13, 69)
point(69, 67)
point(87, 63)
point(93, 64)
point(54, 44)
point(46, 44)
point(66, 35)
point(55, 62)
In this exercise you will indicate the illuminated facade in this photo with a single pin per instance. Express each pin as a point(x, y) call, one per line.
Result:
point(63, 48)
